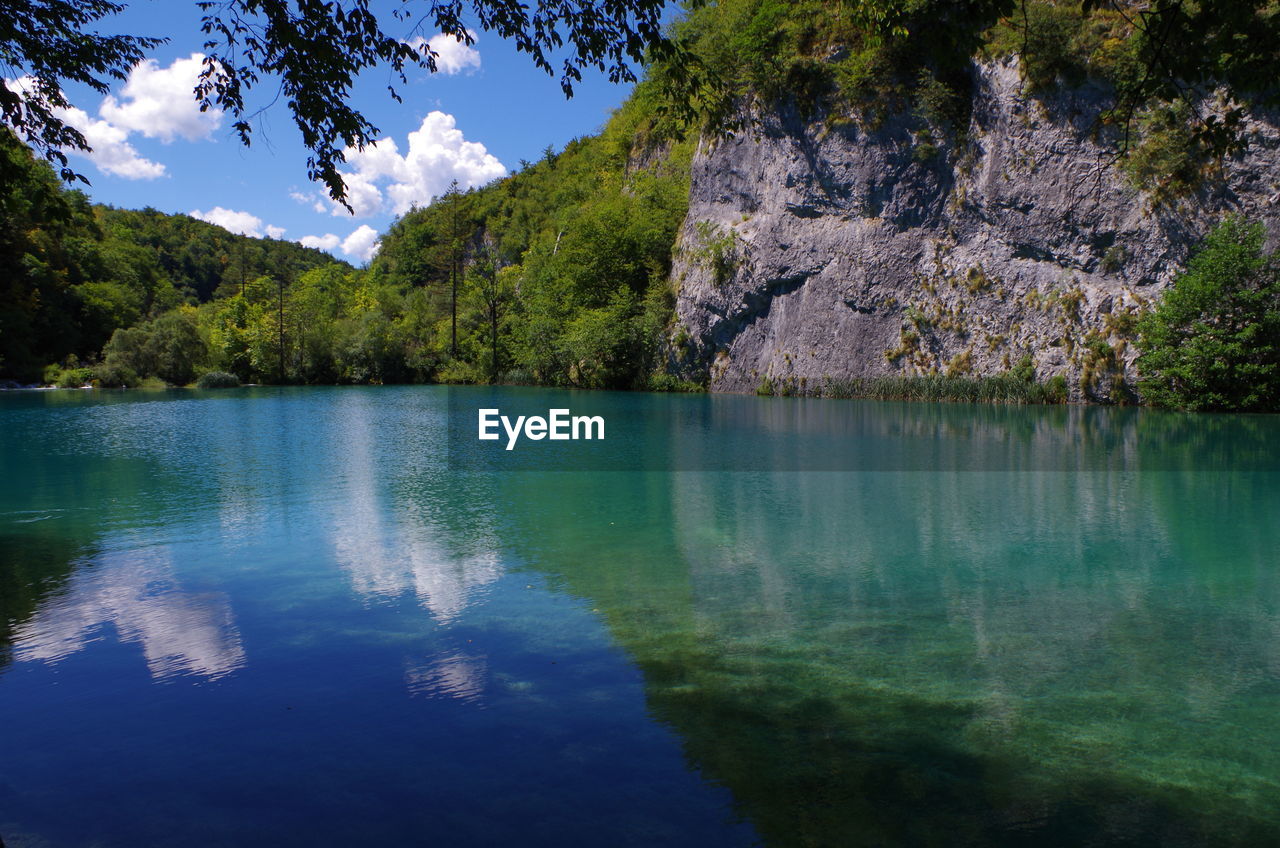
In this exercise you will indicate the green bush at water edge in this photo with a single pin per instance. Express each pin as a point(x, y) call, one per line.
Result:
point(218, 380)
point(1213, 341)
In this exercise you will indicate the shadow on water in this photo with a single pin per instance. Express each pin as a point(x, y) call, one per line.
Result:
point(866, 769)
point(915, 659)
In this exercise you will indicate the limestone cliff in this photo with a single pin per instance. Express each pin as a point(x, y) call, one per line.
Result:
point(820, 250)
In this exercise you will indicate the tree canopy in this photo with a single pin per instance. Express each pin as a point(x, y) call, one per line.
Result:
point(309, 51)
point(71, 273)
point(1213, 342)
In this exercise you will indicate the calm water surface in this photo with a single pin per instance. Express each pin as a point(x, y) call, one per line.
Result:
point(284, 617)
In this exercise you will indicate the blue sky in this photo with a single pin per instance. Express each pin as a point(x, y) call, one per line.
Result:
point(475, 119)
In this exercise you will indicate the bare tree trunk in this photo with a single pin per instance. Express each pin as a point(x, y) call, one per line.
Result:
point(280, 301)
point(493, 335)
point(453, 249)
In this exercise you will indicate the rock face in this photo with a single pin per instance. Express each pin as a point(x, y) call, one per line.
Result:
point(817, 251)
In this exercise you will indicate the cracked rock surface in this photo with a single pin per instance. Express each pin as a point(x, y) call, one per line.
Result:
point(819, 251)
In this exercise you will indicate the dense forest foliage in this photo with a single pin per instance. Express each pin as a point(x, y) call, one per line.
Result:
point(560, 273)
point(1213, 342)
point(73, 273)
point(565, 265)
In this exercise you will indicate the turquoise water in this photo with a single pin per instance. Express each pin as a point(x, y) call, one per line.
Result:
point(300, 617)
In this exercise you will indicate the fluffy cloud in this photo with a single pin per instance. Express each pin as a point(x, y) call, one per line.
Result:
point(310, 198)
point(156, 102)
point(243, 223)
point(452, 56)
point(362, 244)
point(327, 241)
point(364, 197)
point(438, 154)
point(160, 103)
point(111, 151)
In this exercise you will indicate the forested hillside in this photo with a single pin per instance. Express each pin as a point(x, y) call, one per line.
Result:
point(565, 266)
point(558, 274)
point(72, 273)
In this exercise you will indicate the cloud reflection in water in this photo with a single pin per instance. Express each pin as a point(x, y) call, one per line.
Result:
point(136, 592)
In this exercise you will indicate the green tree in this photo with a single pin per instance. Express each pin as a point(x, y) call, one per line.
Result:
point(489, 294)
point(231, 337)
point(1213, 341)
point(456, 270)
point(422, 348)
point(169, 347)
point(315, 304)
point(175, 348)
point(44, 234)
point(605, 345)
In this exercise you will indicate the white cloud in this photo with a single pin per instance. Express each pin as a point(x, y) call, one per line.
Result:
point(111, 150)
point(362, 244)
point(310, 198)
point(244, 223)
point(364, 197)
point(452, 56)
point(325, 242)
point(160, 102)
point(438, 154)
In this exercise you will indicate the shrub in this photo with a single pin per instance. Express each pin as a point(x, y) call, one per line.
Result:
point(1025, 370)
point(1055, 389)
point(924, 151)
point(1113, 260)
point(1000, 388)
point(127, 350)
point(663, 382)
point(74, 378)
point(718, 250)
point(168, 347)
point(114, 376)
point(218, 380)
point(1213, 341)
point(1169, 162)
point(938, 104)
point(175, 347)
point(1050, 52)
point(460, 371)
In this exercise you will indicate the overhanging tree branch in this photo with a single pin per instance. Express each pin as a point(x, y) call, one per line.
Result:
point(313, 50)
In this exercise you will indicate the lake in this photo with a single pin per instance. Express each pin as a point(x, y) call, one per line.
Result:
point(323, 616)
